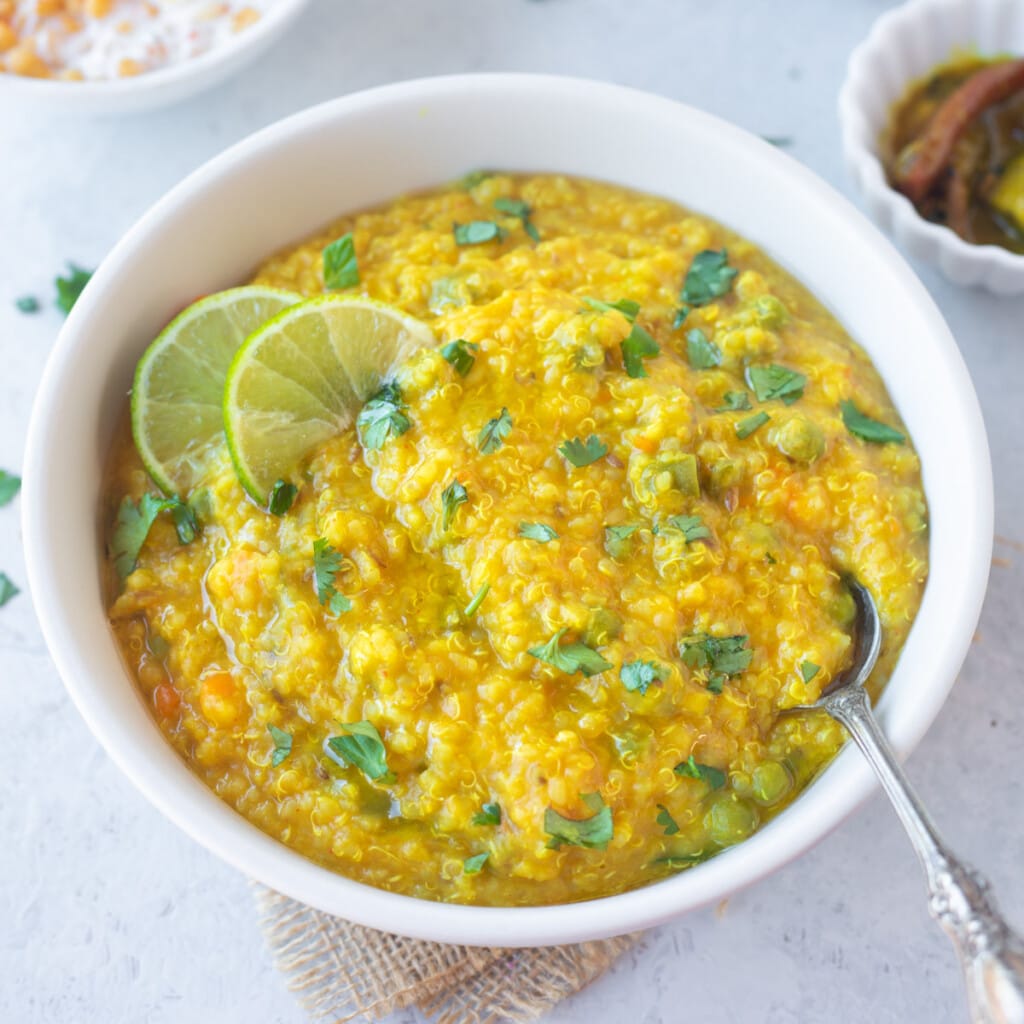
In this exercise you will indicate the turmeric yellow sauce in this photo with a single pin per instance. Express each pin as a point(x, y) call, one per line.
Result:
point(674, 572)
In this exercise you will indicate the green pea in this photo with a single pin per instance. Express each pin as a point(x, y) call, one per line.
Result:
point(729, 819)
point(603, 625)
point(771, 782)
point(770, 312)
point(800, 439)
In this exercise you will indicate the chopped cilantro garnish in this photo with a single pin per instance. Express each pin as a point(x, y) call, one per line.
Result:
point(771, 382)
point(27, 304)
point(360, 744)
point(666, 821)
point(641, 675)
point(537, 531)
point(570, 658)
point(583, 453)
point(460, 354)
point(747, 426)
point(452, 497)
point(472, 865)
point(627, 307)
point(382, 418)
point(680, 318)
point(637, 346)
point(70, 287)
point(7, 589)
point(494, 432)
point(489, 814)
point(691, 527)
point(618, 540)
point(478, 599)
point(341, 269)
point(701, 352)
point(478, 231)
point(520, 209)
point(282, 744)
point(714, 777)
point(133, 525)
point(866, 428)
point(722, 656)
point(808, 670)
point(9, 486)
point(709, 277)
point(326, 563)
point(594, 832)
point(282, 496)
point(735, 401)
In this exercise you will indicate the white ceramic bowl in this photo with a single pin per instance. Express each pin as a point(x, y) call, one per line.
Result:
point(157, 88)
point(903, 45)
point(286, 181)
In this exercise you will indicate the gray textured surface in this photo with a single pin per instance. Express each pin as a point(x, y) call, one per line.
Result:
point(111, 915)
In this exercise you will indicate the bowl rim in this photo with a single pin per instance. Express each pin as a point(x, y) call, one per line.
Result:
point(860, 140)
point(183, 799)
point(170, 81)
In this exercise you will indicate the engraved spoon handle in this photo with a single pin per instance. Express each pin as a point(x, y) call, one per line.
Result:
point(990, 952)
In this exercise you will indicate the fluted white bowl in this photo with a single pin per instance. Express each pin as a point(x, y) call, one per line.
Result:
point(903, 45)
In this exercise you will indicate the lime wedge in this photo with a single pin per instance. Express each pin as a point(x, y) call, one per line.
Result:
point(303, 378)
point(178, 392)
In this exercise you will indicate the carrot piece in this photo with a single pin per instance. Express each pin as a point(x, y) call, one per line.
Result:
point(935, 147)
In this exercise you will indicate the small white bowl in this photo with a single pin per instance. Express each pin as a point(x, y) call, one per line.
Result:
point(157, 88)
point(904, 45)
point(287, 181)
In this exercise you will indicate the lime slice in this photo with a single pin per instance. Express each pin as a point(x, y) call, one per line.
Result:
point(303, 378)
point(178, 392)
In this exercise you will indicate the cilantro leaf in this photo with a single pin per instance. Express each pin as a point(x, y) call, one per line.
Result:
point(326, 563)
point(133, 524)
point(472, 865)
point(520, 209)
point(478, 599)
point(680, 318)
point(9, 486)
point(27, 304)
point(460, 354)
point(617, 540)
point(770, 382)
point(701, 352)
point(570, 658)
point(627, 307)
point(382, 419)
point(866, 428)
point(747, 426)
point(667, 822)
point(709, 277)
point(594, 833)
point(494, 432)
point(808, 670)
point(452, 497)
point(722, 657)
point(735, 401)
point(637, 346)
point(714, 777)
point(282, 497)
point(7, 589)
point(489, 814)
point(282, 744)
point(360, 744)
point(69, 288)
point(641, 675)
point(583, 453)
point(341, 269)
point(537, 531)
point(478, 231)
point(691, 527)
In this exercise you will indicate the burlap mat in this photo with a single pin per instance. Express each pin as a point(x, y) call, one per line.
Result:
point(344, 972)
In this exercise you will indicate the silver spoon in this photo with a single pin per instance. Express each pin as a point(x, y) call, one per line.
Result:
point(990, 952)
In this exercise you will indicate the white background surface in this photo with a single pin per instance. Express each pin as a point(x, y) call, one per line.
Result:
point(110, 914)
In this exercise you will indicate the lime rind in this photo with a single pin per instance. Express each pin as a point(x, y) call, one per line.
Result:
point(303, 377)
point(176, 402)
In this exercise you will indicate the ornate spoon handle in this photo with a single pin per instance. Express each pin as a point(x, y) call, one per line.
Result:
point(990, 952)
